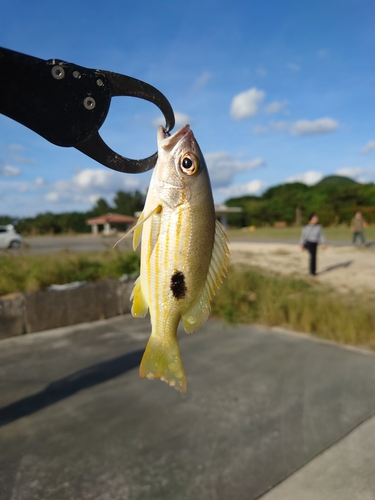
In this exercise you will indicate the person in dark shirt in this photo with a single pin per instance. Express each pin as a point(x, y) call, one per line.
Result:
point(312, 235)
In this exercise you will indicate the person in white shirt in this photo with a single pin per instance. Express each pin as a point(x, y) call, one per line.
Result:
point(312, 235)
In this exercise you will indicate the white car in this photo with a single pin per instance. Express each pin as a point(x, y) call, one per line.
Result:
point(9, 238)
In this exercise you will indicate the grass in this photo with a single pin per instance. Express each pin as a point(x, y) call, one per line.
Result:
point(256, 296)
point(294, 233)
point(19, 273)
point(248, 295)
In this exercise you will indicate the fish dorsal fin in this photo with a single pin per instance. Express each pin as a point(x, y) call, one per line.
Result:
point(200, 310)
point(137, 228)
point(140, 306)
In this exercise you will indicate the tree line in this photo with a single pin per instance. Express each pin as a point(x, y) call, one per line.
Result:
point(75, 222)
point(335, 199)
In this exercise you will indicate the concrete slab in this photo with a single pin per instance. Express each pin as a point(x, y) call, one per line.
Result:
point(346, 471)
point(78, 423)
point(12, 315)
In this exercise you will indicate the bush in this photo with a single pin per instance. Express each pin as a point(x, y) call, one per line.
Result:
point(250, 295)
point(20, 273)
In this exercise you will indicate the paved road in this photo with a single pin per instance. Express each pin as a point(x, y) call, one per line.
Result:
point(78, 243)
point(77, 422)
point(87, 243)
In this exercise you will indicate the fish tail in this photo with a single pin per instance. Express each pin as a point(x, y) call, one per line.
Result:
point(162, 359)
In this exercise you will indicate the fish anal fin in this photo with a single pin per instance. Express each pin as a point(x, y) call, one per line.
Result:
point(197, 314)
point(162, 359)
point(140, 306)
point(200, 310)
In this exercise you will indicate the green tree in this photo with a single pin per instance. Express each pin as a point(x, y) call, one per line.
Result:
point(6, 219)
point(101, 207)
point(128, 203)
point(335, 199)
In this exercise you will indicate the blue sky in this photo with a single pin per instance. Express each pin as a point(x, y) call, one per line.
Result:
point(274, 91)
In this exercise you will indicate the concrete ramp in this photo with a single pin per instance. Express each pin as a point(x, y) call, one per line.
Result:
point(78, 423)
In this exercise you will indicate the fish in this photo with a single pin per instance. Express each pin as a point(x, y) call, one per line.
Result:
point(184, 253)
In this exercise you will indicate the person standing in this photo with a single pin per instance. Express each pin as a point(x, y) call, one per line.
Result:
point(312, 235)
point(357, 226)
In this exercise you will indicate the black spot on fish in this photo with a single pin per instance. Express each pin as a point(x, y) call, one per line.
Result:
point(178, 285)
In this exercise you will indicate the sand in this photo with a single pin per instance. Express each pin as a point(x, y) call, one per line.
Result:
point(346, 269)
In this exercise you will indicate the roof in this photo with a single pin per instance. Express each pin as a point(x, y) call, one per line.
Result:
point(223, 209)
point(112, 219)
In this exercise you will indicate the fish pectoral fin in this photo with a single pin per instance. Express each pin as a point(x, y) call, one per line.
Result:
point(137, 228)
point(200, 310)
point(162, 359)
point(137, 236)
point(140, 306)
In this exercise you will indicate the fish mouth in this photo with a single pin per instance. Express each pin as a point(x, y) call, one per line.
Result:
point(167, 141)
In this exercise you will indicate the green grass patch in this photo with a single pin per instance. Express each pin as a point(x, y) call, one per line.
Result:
point(293, 233)
point(19, 273)
point(248, 295)
point(254, 296)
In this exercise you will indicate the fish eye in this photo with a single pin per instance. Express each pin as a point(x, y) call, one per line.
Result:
point(189, 164)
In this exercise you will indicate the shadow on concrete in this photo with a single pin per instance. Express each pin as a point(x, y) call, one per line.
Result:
point(67, 386)
point(336, 266)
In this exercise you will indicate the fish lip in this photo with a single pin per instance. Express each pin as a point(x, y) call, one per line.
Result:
point(167, 141)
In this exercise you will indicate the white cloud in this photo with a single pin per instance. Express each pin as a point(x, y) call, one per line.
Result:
point(39, 181)
point(9, 171)
point(223, 167)
point(369, 146)
point(91, 184)
point(310, 177)
point(19, 186)
point(276, 106)
point(202, 81)
point(259, 129)
point(52, 196)
point(15, 147)
point(322, 53)
point(281, 126)
point(24, 160)
point(90, 178)
point(254, 187)
point(293, 66)
point(319, 126)
point(245, 104)
point(307, 127)
point(261, 71)
point(181, 119)
point(354, 172)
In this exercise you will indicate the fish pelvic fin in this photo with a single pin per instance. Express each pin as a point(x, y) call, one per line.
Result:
point(137, 229)
point(162, 359)
point(200, 310)
point(140, 306)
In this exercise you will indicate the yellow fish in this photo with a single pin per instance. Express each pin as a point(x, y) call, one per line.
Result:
point(184, 253)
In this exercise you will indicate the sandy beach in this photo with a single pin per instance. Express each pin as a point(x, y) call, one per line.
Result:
point(346, 268)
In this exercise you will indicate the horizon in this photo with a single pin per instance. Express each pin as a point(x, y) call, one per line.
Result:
point(274, 93)
point(216, 203)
